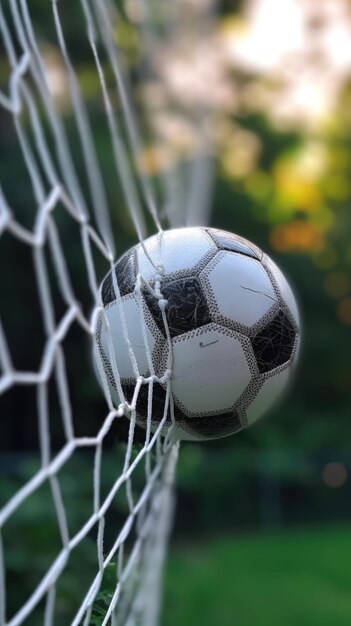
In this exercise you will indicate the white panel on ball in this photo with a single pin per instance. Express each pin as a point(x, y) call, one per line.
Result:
point(210, 370)
point(241, 288)
point(133, 319)
point(271, 390)
point(283, 287)
point(176, 250)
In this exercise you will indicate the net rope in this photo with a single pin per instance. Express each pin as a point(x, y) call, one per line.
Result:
point(64, 191)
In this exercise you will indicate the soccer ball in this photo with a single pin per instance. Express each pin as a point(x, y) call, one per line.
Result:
point(218, 310)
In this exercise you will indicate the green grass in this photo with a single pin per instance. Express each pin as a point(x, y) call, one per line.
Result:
point(300, 578)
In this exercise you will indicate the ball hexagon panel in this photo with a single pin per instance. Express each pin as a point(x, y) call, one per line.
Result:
point(125, 275)
point(133, 319)
point(186, 306)
point(233, 243)
point(274, 344)
point(283, 287)
point(238, 289)
point(210, 358)
point(180, 252)
point(272, 388)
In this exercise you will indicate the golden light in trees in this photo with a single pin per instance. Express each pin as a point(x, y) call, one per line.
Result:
point(240, 157)
point(306, 62)
point(326, 258)
point(337, 187)
point(259, 185)
point(297, 236)
point(297, 177)
point(155, 159)
point(323, 218)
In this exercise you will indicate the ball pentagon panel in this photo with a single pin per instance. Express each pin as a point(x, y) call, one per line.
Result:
point(274, 343)
point(209, 426)
point(234, 243)
point(186, 306)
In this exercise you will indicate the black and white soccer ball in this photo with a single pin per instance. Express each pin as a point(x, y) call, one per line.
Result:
point(231, 333)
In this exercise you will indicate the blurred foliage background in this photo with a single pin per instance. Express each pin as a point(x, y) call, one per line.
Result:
point(269, 510)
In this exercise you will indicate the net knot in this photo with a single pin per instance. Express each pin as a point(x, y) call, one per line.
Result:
point(162, 303)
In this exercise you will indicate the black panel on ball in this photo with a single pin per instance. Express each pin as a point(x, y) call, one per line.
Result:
point(234, 243)
point(125, 274)
point(186, 309)
point(212, 426)
point(209, 426)
point(158, 402)
point(274, 344)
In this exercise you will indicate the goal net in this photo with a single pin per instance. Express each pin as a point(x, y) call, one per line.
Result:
point(100, 147)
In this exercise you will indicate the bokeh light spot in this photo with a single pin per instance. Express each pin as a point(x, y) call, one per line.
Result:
point(154, 159)
point(295, 187)
point(297, 236)
point(344, 311)
point(240, 159)
point(337, 284)
point(335, 475)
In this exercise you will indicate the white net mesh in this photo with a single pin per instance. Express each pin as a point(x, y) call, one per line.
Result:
point(85, 519)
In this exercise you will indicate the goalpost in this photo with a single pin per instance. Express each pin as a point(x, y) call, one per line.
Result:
point(72, 130)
